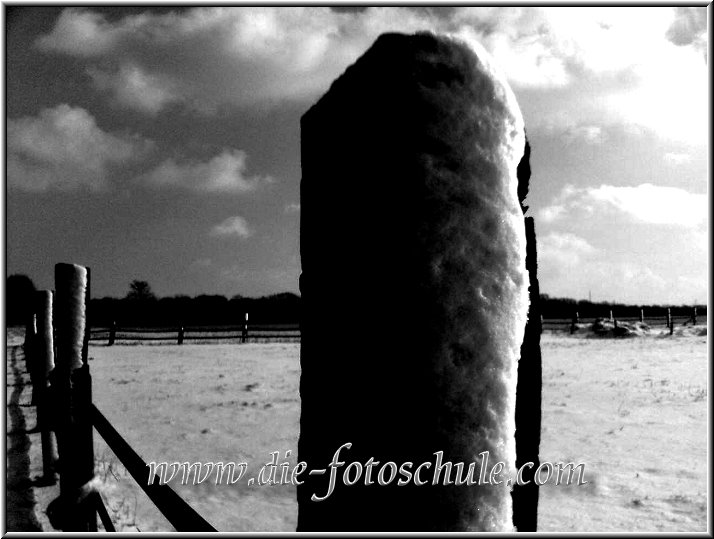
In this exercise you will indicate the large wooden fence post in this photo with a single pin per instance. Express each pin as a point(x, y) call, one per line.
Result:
point(45, 357)
point(422, 135)
point(72, 388)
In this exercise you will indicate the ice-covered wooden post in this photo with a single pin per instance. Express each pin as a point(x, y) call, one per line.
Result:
point(72, 387)
point(409, 201)
point(45, 357)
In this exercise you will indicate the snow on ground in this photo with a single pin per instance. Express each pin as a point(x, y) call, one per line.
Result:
point(633, 410)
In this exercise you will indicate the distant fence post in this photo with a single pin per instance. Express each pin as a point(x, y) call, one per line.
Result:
point(669, 318)
point(45, 362)
point(576, 320)
point(112, 334)
point(611, 318)
point(244, 336)
point(74, 509)
point(694, 316)
point(642, 315)
point(180, 335)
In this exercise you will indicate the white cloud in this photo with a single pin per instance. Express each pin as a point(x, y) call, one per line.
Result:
point(63, 148)
point(654, 204)
point(564, 250)
point(235, 226)
point(224, 173)
point(677, 158)
point(641, 65)
point(135, 88)
point(81, 33)
point(592, 134)
point(645, 203)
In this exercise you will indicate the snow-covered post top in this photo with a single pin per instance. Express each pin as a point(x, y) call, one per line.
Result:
point(71, 285)
point(409, 201)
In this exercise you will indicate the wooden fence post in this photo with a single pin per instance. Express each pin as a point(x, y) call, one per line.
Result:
point(694, 316)
point(576, 320)
point(30, 332)
point(74, 509)
point(45, 361)
point(28, 348)
point(180, 335)
point(642, 315)
point(399, 134)
point(611, 318)
point(244, 336)
point(112, 334)
point(670, 321)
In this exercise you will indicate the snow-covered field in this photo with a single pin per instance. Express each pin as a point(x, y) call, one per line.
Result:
point(633, 410)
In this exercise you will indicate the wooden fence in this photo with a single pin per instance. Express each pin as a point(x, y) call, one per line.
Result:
point(291, 332)
point(179, 334)
point(56, 345)
point(62, 391)
point(667, 321)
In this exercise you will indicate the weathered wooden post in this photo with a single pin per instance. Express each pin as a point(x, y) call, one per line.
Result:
point(573, 325)
point(30, 331)
point(424, 136)
point(72, 387)
point(611, 317)
point(180, 335)
point(112, 333)
point(670, 325)
point(28, 348)
point(694, 316)
point(529, 388)
point(244, 335)
point(45, 357)
point(642, 315)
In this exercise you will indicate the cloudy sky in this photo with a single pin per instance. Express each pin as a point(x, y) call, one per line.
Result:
point(164, 144)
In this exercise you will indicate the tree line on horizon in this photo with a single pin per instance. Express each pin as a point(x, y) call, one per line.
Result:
point(141, 307)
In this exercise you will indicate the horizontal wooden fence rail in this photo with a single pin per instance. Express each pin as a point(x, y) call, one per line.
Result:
point(180, 334)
